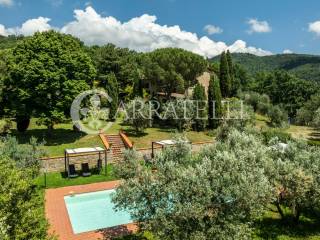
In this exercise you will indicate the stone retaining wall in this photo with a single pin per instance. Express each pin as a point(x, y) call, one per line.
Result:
point(56, 164)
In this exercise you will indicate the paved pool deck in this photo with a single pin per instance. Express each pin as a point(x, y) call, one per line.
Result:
point(58, 218)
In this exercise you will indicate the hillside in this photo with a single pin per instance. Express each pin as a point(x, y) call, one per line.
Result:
point(9, 42)
point(303, 66)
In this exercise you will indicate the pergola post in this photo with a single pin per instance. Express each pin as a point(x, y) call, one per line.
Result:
point(65, 161)
point(152, 153)
point(105, 163)
point(76, 151)
point(68, 165)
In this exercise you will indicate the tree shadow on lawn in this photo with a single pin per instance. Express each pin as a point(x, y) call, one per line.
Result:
point(132, 133)
point(271, 228)
point(315, 135)
point(57, 137)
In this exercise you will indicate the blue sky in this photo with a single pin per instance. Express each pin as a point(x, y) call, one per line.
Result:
point(275, 25)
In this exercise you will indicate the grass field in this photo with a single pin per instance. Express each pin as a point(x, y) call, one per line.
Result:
point(56, 180)
point(63, 136)
point(271, 226)
point(298, 132)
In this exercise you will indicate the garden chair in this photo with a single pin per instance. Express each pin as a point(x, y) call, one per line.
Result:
point(85, 170)
point(72, 171)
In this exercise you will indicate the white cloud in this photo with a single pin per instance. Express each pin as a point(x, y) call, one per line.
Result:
point(142, 34)
point(241, 47)
point(28, 28)
point(211, 29)
point(315, 27)
point(287, 51)
point(258, 26)
point(6, 3)
point(3, 31)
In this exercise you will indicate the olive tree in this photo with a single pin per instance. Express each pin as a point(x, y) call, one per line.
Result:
point(181, 112)
point(21, 202)
point(296, 176)
point(138, 115)
point(316, 119)
point(212, 195)
point(278, 117)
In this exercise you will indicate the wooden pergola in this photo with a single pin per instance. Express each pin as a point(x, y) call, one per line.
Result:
point(79, 151)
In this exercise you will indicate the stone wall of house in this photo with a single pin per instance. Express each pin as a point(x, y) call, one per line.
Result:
point(57, 164)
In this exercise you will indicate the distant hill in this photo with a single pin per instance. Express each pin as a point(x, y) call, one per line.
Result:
point(302, 65)
point(9, 42)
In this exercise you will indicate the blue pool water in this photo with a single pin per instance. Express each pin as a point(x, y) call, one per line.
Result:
point(93, 211)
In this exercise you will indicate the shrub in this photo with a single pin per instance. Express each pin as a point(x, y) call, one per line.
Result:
point(260, 102)
point(314, 143)
point(278, 117)
point(273, 133)
point(25, 156)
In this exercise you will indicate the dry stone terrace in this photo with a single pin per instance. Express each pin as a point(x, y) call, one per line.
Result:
point(56, 164)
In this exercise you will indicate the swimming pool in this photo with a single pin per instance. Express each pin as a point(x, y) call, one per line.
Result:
point(93, 211)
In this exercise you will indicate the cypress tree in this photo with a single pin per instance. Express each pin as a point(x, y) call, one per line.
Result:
point(231, 73)
point(199, 96)
point(113, 92)
point(138, 88)
point(225, 81)
point(214, 102)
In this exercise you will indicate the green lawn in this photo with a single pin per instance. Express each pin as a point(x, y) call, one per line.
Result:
point(157, 134)
point(64, 137)
point(61, 138)
point(56, 180)
point(299, 132)
point(271, 226)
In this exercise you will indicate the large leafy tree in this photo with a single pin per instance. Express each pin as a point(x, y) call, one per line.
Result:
point(177, 69)
point(306, 113)
point(4, 55)
point(200, 102)
point(46, 73)
point(122, 62)
point(214, 102)
point(225, 79)
point(213, 195)
point(286, 89)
